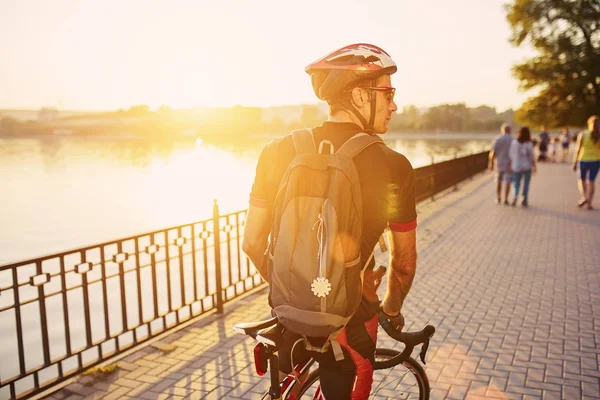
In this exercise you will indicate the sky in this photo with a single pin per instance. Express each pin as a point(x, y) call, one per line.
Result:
point(104, 55)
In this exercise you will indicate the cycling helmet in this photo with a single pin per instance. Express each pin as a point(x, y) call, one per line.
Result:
point(342, 69)
point(339, 70)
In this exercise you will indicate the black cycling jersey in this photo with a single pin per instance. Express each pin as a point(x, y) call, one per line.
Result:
point(387, 182)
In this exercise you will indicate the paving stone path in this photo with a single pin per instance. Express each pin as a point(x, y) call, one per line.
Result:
point(514, 294)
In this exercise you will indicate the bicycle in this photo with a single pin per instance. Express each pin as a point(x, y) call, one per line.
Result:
point(413, 383)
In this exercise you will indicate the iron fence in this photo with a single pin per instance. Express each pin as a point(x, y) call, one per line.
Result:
point(64, 313)
point(437, 177)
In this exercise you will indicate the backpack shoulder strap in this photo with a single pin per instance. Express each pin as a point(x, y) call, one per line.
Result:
point(303, 141)
point(358, 143)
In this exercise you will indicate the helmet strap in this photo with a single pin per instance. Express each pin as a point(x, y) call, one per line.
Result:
point(350, 107)
point(362, 119)
point(369, 128)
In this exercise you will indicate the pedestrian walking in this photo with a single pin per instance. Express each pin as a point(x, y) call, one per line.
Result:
point(587, 157)
point(544, 142)
point(499, 152)
point(565, 142)
point(522, 163)
point(554, 148)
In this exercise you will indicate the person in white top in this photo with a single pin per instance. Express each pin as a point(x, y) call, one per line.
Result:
point(522, 163)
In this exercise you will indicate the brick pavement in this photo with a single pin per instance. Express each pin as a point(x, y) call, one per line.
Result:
point(514, 294)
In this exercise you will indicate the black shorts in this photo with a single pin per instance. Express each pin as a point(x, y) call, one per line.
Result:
point(358, 341)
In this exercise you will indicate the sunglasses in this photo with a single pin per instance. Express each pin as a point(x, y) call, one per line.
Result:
point(388, 90)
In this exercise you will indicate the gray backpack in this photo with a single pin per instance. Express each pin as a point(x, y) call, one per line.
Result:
point(314, 252)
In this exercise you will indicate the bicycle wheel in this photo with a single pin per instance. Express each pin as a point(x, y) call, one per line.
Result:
point(407, 380)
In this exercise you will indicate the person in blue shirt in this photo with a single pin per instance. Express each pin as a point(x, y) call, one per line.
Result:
point(500, 153)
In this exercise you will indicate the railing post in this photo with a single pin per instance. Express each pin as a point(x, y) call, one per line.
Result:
point(432, 178)
point(217, 240)
point(455, 188)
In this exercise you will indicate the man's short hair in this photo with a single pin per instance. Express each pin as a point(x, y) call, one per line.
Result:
point(504, 127)
point(341, 102)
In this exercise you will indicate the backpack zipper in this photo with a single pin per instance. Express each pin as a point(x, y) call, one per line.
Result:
point(321, 279)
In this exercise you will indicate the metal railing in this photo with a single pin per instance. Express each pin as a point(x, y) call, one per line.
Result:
point(437, 177)
point(66, 312)
point(63, 313)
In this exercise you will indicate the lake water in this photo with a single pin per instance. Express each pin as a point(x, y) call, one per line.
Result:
point(64, 193)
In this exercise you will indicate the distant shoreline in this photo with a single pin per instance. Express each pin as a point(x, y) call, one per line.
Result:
point(415, 136)
point(387, 136)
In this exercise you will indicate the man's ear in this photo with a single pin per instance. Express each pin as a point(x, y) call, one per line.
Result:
point(359, 97)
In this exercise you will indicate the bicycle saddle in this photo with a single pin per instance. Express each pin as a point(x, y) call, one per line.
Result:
point(271, 336)
point(252, 328)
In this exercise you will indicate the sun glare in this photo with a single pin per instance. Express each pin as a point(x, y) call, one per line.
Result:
point(198, 54)
point(199, 176)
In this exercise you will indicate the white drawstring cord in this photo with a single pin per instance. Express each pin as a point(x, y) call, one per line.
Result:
point(292, 360)
point(319, 225)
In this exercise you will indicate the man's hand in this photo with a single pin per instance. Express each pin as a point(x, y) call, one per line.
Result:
point(395, 322)
point(574, 167)
point(491, 159)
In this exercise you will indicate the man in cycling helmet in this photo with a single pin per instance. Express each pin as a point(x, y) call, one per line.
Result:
point(356, 83)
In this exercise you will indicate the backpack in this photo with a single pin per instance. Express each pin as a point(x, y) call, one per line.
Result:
point(314, 264)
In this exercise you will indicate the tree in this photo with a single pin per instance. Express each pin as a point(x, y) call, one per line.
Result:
point(276, 125)
point(483, 113)
point(407, 120)
point(137, 111)
point(9, 126)
point(164, 110)
point(311, 115)
point(447, 117)
point(566, 35)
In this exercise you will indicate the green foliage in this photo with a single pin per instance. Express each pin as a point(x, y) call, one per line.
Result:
point(9, 126)
point(240, 122)
point(97, 374)
point(13, 127)
point(407, 120)
point(449, 118)
point(140, 110)
point(310, 116)
point(566, 71)
point(102, 370)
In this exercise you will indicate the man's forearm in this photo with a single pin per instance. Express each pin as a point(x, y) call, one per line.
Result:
point(576, 155)
point(258, 259)
point(256, 237)
point(256, 254)
point(402, 273)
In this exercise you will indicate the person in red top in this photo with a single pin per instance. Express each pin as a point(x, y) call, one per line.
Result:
point(356, 83)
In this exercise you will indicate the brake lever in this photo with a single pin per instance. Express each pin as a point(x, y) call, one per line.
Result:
point(423, 353)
